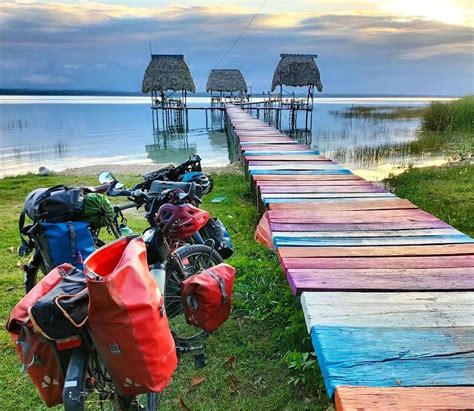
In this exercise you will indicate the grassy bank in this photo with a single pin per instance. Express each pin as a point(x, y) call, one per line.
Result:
point(457, 115)
point(446, 192)
point(256, 360)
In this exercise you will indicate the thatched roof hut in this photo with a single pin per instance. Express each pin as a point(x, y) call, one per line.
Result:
point(226, 80)
point(167, 72)
point(297, 70)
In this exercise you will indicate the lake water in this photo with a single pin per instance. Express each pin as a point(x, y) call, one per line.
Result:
point(64, 132)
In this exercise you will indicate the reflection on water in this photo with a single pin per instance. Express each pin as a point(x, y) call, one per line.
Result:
point(64, 135)
point(62, 132)
point(375, 140)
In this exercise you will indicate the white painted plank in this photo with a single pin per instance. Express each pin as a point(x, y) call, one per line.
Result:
point(405, 309)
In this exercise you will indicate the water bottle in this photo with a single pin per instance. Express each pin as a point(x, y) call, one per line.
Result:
point(159, 275)
point(125, 230)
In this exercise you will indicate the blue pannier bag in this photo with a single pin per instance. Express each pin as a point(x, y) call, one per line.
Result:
point(69, 242)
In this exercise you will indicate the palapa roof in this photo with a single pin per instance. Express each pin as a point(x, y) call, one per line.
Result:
point(226, 80)
point(167, 72)
point(297, 70)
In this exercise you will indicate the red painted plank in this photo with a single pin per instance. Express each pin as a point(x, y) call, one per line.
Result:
point(376, 279)
point(367, 251)
point(380, 262)
point(401, 398)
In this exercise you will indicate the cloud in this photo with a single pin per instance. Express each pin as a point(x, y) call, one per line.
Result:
point(44, 79)
point(106, 46)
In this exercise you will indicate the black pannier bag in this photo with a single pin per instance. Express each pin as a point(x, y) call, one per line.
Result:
point(215, 230)
point(55, 204)
point(63, 311)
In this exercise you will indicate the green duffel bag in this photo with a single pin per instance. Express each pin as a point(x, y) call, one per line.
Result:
point(98, 210)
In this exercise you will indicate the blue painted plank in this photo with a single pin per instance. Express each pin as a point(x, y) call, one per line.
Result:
point(391, 357)
point(369, 241)
point(290, 172)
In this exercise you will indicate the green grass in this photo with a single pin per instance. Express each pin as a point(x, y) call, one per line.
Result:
point(456, 115)
point(446, 192)
point(266, 324)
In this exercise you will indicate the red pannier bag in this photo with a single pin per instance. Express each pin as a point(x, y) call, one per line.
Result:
point(39, 356)
point(263, 233)
point(127, 318)
point(207, 297)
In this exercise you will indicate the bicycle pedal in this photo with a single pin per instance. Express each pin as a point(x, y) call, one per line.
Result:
point(200, 360)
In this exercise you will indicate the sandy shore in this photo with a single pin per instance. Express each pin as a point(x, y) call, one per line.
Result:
point(139, 169)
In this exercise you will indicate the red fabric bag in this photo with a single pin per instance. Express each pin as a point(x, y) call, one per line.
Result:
point(207, 297)
point(39, 356)
point(127, 320)
point(263, 233)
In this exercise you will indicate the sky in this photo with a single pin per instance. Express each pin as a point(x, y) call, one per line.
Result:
point(416, 47)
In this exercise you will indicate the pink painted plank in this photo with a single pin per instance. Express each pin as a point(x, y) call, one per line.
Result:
point(375, 204)
point(274, 147)
point(287, 163)
point(287, 157)
point(388, 279)
point(321, 189)
point(308, 177)
point(371, 251)
point(358, 216)
point(380, 262)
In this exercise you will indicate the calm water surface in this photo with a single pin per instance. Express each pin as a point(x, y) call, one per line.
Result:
point(64, 132)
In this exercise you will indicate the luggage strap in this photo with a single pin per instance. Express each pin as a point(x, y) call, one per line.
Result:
point(73, 238)
point(26, 246)
point(24, 340)
point(221, 285)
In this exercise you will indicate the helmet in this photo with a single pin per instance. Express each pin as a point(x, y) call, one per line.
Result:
point(180, 221)
point(203, 179)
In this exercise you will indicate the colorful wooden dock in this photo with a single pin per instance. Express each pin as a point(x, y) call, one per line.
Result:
point(387, 289)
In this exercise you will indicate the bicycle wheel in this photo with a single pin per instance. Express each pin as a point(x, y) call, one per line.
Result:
point(194, 258)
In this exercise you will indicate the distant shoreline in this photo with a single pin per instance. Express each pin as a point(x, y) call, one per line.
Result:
point(105, 93)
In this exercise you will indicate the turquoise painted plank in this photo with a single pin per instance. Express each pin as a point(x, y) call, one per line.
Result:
point(266, 153)
point(391, 357)
point(295, 167)
point(370, 241)
point(290, 172)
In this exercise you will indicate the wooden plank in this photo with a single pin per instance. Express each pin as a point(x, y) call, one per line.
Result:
point(376, 279)
point(320, 189)
point(378, 262)
point(392, 357)
point(269, 141)
point(294, 172)
point(403, 398)
point(287, 157)
point(317, 165)
point(373, 241)
point(288, 163)
point(420, 232)
point(281, 151)
point(412, 251)
point(353, 216)
point(382, 204)
point(311, 183)
point(345, 177)
point(410, 225)
point(289, 148)
point(384, 309)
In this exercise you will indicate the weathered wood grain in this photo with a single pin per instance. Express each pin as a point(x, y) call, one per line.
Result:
point(392, 357)
point(287, 157)
point(401, 226)
point(368, 233)
point(281, 151)
point(320, 189)
point(403, 398)
point(377, 279)
point(403, 251)
point(270, 177)
point(293, 172)
point(315, 182)
point(385, 309)
point(379, 262)
point(370, 241)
